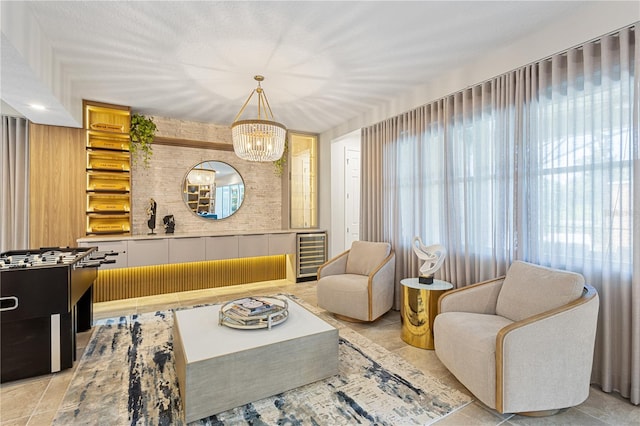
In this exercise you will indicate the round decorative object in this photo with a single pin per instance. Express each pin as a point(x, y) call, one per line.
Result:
point(433, 256)
point(213, 190)
point(254, 312)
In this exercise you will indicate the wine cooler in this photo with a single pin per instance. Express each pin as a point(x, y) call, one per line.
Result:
point(312, 252)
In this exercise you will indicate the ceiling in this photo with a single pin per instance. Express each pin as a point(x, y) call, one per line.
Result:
point(323, 62)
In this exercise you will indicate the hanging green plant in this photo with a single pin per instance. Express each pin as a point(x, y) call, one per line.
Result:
point(279, 164)
point(141, 133)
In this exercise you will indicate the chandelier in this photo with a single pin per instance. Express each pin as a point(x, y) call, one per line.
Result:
point(201, 177)
point(259, 139)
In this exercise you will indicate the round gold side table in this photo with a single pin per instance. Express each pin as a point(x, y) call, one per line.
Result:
point(419, 309)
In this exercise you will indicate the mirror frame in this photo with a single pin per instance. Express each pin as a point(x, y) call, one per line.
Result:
point(186, 193)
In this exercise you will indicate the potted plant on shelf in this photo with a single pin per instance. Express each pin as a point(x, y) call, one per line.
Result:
point(141, 133)
point(279, 164)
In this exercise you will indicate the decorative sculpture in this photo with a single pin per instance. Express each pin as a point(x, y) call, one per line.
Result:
point(151, 215)
point(169, 224)
point(433, 257)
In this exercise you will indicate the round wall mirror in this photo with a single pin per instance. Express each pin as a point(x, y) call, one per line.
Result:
point(213, 190)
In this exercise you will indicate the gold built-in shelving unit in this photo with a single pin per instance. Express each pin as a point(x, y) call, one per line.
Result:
point(303, 192)
point(108, 168)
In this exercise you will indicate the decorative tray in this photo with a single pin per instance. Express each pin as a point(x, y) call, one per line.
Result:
point(254, 312)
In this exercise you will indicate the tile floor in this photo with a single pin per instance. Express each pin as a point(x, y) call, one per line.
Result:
point(35, 401)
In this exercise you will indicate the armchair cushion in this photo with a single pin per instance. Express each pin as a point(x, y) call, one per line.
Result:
point(532, 289)
point(467, 341)
point(365, 257)
point(345, 295)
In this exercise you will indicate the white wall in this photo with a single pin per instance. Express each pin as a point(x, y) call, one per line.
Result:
point(338, 231)
point(586, 24)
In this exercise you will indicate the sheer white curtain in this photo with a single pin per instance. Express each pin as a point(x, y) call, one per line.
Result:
point(581, 154)
point(540, 164)
point(479, 179)
point(14, 195)
point(443, 172)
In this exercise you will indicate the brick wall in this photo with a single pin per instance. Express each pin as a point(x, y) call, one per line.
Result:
point(163, 181)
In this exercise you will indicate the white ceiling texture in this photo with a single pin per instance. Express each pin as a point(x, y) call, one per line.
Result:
point(324, 62)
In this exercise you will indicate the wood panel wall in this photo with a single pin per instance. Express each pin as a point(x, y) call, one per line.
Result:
point(57, 173)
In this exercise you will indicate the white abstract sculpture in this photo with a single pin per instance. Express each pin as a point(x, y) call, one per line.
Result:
point(433, 257)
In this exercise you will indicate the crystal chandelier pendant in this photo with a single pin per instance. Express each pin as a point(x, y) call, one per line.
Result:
point(258, 139)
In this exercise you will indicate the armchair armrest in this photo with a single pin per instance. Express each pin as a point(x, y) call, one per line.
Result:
point(335, 266)
point(381, 285)
point(536, 342)
point(480, 298)
point(385, 272)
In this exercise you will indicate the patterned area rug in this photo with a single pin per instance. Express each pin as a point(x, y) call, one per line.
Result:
point(127, 376)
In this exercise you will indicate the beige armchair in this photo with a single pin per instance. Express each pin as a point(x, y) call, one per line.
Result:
point(358, 284)
point(522, 343)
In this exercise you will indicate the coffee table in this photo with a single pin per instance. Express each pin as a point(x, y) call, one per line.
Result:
point(220, 368)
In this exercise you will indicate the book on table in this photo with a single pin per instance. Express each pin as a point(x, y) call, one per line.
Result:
point(253, 312)
point(252, 306)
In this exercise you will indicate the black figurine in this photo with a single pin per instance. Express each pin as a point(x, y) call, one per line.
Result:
point(169, 224)
point(151, 215)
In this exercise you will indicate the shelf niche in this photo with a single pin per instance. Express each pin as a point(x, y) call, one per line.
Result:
point(108, 168)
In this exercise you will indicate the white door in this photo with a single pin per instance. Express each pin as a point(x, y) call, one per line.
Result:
point(352, 196)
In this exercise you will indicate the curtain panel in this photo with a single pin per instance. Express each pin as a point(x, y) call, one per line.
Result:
point(14, 192)
point(540, 164)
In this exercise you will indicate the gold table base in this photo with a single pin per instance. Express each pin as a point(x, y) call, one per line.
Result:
point(418, 311)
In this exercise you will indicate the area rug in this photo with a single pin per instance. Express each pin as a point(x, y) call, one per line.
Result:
point(127, 376)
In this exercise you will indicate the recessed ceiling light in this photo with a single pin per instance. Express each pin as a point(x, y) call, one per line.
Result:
point(38, 107)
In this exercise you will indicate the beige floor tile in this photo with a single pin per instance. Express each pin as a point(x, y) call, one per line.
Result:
point(19, 398)
point(384, 334)
point(307, 288)
point(82, 338)
point(470, 415)
point(143, 309)
point(53, 394)
point(570, 417)
point(424, 359)
point(451, 381)
point(196, 296)
point(114, 305)
point(161, 302)
point(158, 299)
point(42, 419)
point(207, 300)
point(391, 317)
point(610, 408)
point(490, 410)
point(22, 421)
